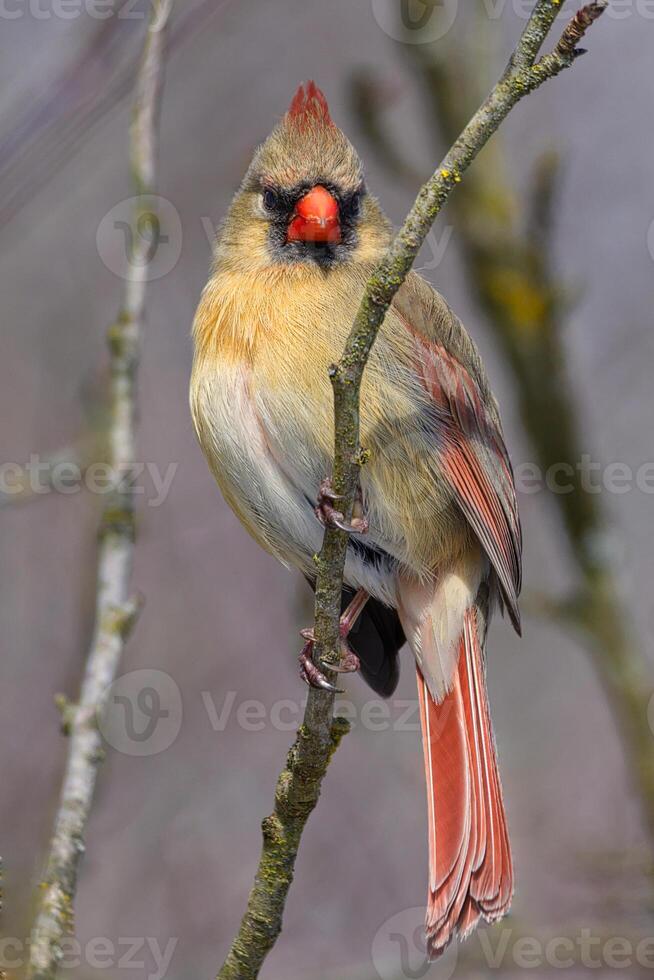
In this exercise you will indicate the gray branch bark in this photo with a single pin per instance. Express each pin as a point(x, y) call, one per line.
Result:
point(116, 611)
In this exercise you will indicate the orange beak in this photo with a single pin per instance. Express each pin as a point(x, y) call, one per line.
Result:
point(315, 218)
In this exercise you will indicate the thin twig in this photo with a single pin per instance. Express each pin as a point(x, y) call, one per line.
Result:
point(116, 612)
point(576, 29)
point(263, 919)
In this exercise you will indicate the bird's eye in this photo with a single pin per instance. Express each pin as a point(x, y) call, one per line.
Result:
point(270, 199)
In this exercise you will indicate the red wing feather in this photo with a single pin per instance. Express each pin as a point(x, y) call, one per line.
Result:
point(475, 463)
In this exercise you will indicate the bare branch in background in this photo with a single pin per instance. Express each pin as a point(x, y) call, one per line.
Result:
point(511, 270)
point(315, 741)
point(116, 612)
point(51, 129)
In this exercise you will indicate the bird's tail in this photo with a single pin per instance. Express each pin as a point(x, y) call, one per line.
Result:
point(470, 868)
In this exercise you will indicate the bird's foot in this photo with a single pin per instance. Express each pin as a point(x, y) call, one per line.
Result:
point(349, 662)
point(330, 516)
point(313, 675)
point(309, 672)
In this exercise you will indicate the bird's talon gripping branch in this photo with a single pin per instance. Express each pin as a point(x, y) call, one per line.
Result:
point(330, 516)
point(313, 675)
point(349, 662)
point(326, 491)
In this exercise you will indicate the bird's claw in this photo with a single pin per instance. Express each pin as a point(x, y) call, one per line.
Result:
point(330, 516)
point(327, 492)
point(358, 525)
point(313, 675)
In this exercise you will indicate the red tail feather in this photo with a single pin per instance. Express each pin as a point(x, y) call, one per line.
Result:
point(470, 869)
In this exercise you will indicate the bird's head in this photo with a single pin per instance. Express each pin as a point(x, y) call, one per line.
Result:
point(303, 200)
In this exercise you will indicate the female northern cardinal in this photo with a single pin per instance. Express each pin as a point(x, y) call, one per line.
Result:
point(436, 540)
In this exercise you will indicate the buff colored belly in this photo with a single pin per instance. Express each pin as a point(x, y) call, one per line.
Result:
point(272, 497)
point(254, 484)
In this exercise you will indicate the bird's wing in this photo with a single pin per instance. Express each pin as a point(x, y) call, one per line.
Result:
point(467, 430)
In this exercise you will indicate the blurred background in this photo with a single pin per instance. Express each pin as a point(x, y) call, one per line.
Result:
point(545, 251)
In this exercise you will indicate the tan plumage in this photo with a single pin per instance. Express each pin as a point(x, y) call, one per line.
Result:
point(444, 535)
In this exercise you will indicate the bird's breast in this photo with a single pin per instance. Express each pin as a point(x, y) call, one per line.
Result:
point(250, 468)
point(263, 408)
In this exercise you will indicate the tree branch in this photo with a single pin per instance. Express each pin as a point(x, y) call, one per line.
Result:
point(116, 612)
point(315, 741)
point(576, 29)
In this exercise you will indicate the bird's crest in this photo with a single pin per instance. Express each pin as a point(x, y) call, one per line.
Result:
point(309, 105)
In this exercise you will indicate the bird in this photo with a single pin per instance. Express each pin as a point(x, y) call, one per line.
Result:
point(434, 546)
